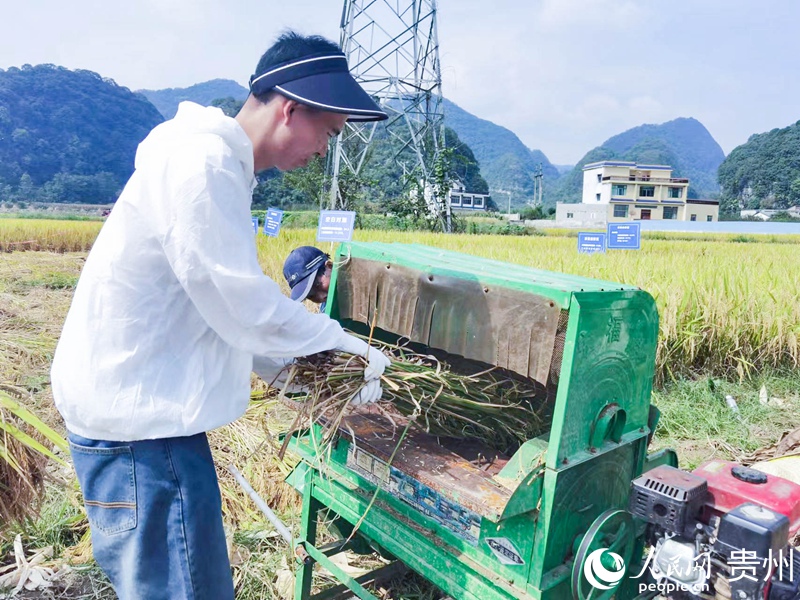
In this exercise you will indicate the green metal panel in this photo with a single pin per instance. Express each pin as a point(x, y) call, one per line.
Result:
point(563, 482)
point(420, 542)
point(609, 359)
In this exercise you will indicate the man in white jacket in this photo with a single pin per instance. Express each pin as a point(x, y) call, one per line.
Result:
point(170, 311)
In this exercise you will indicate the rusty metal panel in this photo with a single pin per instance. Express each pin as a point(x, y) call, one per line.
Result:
point(468, 483)
point(502, 326)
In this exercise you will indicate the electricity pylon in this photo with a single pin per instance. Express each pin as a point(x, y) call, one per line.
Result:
point(392, 49)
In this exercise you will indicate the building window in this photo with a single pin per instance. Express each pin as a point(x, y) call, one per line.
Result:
point(455, 200)
point(466, 201)
point(709, 218)
point(693, 218)
point(645, 214)
point(647, 191)
point(675, 192)
point(599, 177)
point(478, 201)
point(597, 197)
point(619, 190)
point(621, 210)
point(570, 215)
point(670, 212)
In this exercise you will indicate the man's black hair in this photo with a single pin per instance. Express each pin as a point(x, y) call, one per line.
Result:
point(292, 46)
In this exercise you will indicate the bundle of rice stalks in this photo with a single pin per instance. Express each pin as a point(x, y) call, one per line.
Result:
point(23, 460)
point(498, 410)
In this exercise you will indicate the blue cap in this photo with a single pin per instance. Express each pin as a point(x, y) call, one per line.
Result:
point(301, 268)
point(322, 81)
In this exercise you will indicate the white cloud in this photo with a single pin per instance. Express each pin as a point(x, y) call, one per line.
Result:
point(564, 75)
point(610, 14)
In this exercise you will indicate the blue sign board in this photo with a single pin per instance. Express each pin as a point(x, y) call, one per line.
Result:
point(272, 222)
point(589, 243)
point(255, 224)
point(624, 236)
point(336, 225)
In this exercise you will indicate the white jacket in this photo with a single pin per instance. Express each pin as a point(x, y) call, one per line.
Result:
point(172, 304)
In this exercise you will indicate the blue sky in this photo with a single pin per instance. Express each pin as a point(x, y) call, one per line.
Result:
point(564, 75)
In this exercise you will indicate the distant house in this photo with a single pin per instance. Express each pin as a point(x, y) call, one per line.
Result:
point(460, 199)
point(765, 214)
point(626, 191)
point(761, 214)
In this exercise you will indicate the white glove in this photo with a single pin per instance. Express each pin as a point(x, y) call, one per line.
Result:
point(377, 360)
point(371, 392)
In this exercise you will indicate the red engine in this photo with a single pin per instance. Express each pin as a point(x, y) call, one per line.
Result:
point(730, 485)
point(721, 531)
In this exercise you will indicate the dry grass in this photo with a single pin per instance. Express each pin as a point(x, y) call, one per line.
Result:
point(503, 412)
point(22, 472)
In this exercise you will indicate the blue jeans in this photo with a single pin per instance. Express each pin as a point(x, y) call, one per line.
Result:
point(155, 514)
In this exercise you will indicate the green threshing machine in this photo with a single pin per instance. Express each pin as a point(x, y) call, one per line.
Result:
point(572, 513)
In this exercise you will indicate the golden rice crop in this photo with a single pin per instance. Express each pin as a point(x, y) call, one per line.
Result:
point(47, 234)
point(726, 307)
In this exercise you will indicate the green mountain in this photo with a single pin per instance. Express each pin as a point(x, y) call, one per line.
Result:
point(685, 144)
point(166, 101)
point(68, 135)
point(764, 172)
point(506, 163)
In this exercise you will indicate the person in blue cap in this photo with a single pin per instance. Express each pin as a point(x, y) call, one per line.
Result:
point(172, 312)
point(307, 270)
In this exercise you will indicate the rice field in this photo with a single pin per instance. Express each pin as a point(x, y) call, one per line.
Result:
point(727, 307)
point(47, 234)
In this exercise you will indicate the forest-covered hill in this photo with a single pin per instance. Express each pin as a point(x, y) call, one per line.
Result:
point(68, 136)
point(167, 101)
point(506, 163)
point(685, 144)
point(764, 172)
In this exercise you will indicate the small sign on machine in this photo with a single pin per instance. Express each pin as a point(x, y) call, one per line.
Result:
point(505, 551)
point(336, 225)
point(272, 222)
point(624, 236)
point(589, 243)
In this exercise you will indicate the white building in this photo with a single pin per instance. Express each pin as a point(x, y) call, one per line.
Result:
point(615, 191)
point(460, 199)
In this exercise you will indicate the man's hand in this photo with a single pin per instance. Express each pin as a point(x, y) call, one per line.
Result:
point(371, 392)
point(377, 360)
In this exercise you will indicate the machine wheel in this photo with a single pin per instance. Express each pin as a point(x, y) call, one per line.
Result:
point(603, 556)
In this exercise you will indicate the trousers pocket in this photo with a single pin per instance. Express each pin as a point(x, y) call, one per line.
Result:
point(108, 482)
